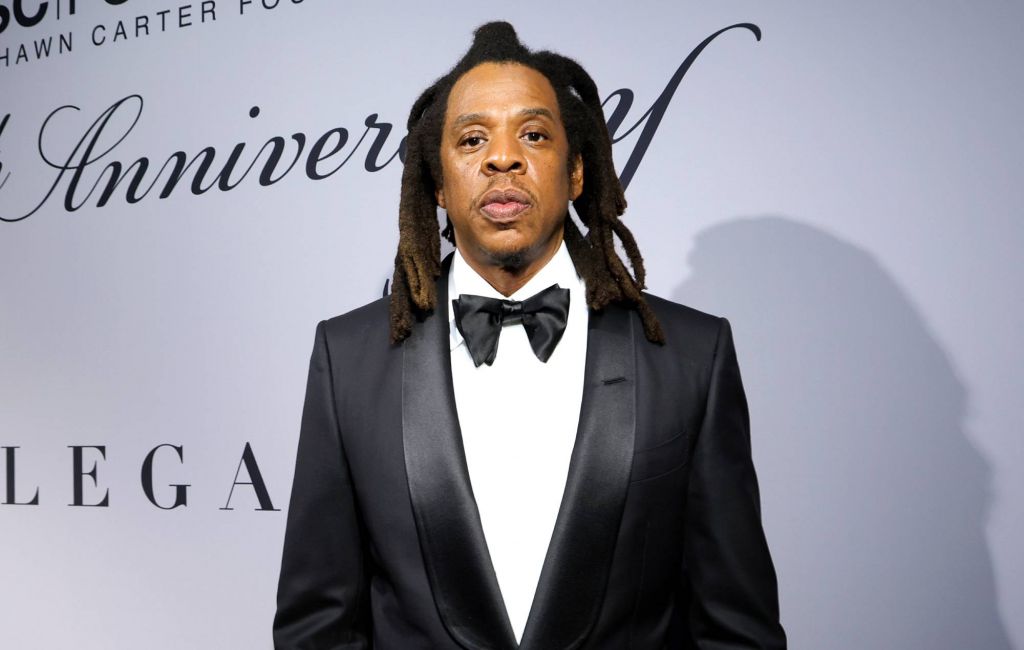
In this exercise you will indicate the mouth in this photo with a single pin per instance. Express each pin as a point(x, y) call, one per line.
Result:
point(504, 206)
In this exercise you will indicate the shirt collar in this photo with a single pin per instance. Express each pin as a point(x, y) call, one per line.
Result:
point(462, 278)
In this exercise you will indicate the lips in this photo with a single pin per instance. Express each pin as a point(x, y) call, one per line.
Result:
point(504, 205)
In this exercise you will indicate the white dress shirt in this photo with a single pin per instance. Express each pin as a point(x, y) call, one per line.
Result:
point(519, 418)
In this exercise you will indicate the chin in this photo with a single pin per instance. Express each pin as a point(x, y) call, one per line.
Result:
point(510, 255)
point(511, 260)
point(511, 248)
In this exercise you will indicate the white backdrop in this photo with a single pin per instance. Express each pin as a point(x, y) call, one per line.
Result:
point(847, 191)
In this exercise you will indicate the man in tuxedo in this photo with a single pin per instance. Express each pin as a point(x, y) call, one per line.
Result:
point(519, 447)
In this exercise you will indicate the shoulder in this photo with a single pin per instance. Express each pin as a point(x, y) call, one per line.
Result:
point(364, 326)
point(693, 333)
point(683, 318)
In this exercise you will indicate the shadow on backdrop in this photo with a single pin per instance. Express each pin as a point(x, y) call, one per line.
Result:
point(876, 500)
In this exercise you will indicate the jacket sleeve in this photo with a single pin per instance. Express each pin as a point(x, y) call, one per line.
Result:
point(734, 595)
point(322, 594)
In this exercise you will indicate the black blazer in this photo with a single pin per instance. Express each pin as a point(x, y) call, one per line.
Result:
point(658, 542)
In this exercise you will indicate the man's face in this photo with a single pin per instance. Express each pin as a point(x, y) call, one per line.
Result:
point(506, 186)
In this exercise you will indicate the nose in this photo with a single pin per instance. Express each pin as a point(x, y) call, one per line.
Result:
point(504, 155)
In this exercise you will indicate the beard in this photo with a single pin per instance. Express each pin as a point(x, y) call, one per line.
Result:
point(510, 260)
point(514, 257)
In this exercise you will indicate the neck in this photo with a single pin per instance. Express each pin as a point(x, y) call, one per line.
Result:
point(506, 280)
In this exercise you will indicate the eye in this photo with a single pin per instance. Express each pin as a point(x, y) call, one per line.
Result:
point(470, 141)
point(535, 136)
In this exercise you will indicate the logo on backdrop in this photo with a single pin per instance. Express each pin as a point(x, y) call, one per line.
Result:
point(44, 34)
point(87, 172)
point(87, 490)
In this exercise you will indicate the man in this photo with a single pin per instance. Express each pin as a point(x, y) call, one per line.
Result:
point(520, 448)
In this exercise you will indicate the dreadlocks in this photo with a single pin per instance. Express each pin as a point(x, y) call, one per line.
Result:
point(599, 206)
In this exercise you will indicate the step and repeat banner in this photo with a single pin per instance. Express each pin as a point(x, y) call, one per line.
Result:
point(186, 189)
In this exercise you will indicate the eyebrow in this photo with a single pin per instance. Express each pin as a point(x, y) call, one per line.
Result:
point(479, 117)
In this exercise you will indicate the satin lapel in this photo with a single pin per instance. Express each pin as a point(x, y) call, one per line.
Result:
point(451, 537)
point(575, 573)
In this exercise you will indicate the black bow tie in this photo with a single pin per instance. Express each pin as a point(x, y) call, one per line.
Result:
point(543, 315)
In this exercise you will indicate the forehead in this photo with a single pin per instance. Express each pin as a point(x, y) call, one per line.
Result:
point(496, 88)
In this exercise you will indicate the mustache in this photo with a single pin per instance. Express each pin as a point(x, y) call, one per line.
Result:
point(504, 189)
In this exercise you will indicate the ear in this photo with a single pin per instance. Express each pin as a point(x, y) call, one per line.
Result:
point(576, 178)
point(439, 196)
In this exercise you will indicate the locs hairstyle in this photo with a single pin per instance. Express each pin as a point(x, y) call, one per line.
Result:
point(599, 206)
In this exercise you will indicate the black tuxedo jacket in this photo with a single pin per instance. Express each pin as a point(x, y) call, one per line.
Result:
point(658, 541)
